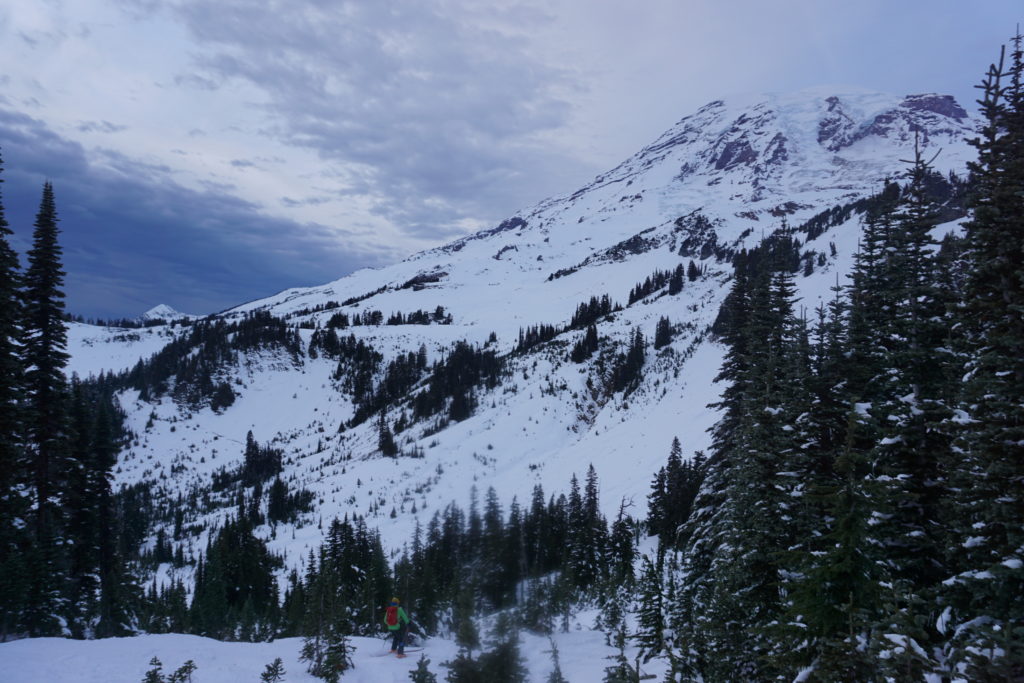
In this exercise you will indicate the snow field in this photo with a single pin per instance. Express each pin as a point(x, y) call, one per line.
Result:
point(582, 658)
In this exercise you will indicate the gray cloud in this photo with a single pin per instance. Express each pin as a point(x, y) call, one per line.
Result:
point(309, 201)
point(433, 112)
point(133, 237)
point(100, 127)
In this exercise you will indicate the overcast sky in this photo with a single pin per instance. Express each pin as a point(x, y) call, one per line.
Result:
point(208, 152)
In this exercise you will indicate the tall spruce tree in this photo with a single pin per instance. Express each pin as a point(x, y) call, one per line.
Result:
point(743, 518)
point(913, 455)
point(986, 593)
point(46, 424)
point(13, 467)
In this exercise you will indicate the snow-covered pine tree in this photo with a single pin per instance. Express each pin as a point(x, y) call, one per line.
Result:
point(985, 596)
point(328, 654)
point(503, 662)
point(707, 530)
point(650, 608)
point(911, 405)
point(729, 585)
point(422, 673)
point(14, 472)
point(46, 427)
point(556, 672)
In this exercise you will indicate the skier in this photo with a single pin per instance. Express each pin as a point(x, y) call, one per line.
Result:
point(397, 622)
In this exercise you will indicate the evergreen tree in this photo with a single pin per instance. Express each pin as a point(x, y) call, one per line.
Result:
point(503, 661)
point(183, 674)
point(422, 673)
point(650, 634)
point(328, 653)
point(556, 672)
point(675, 283)
point(743, 518)
point(464, 669)
point(14, 474)
point(45, 341)
point(467, 637)
point(663, 333)
point(986, 593)
point(385, 440)
point(910, 402)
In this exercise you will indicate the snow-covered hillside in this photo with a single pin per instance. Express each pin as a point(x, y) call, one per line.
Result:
point(719, 180)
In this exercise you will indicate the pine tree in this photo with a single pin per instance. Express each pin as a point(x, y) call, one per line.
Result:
point(385, 441)
point(650, 634)
point(328, 653)
point(744, 518)
point(556, 671)
point(911, 406)
point(503, 661)
point(14, 475)
point(154, 675)
point(422, 674)
point(183, 674)
point(464, 669)
point(45, 341)
point(986, 593)
point(80, 511)
point(663, 333)
point(467, 637)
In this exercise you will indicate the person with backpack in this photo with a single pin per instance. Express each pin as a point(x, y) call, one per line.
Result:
point(397, 622)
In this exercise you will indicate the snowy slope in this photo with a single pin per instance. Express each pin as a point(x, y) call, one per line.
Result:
point(96, 349)
point(582, 657)
point(742, 164)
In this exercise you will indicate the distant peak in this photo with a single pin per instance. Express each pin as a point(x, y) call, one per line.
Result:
point(163, 312)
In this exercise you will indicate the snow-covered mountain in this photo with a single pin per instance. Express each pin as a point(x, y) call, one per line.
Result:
point(165, 313)
point(719, 180)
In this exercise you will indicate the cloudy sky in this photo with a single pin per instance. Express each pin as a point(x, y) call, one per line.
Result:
point(208, 152)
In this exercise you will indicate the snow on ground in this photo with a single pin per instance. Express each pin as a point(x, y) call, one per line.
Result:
point(96, 349)
point(582, 657)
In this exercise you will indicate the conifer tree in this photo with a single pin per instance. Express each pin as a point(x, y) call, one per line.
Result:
point(14, 475)
point(45, 341)
point(910, 405)
point(385, 440)
point(154, 675)
point(273, 673)
point(986, 592)
point(663, 333)
point(183, 674)
point(743, 518)
point(556, 672)
point(651, 608)
point(466, 634)
point(503, 661)
point(422, 673)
